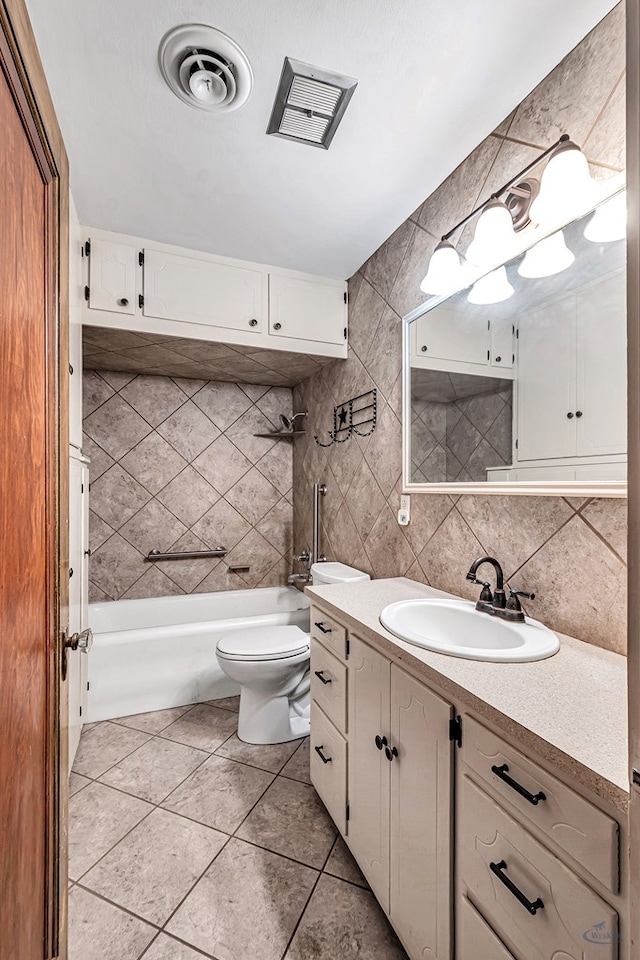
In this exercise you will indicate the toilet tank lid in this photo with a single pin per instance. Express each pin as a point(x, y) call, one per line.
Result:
point(264, 643)
point(332, 572)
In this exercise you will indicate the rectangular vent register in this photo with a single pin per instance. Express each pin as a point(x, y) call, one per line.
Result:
point(309, 103)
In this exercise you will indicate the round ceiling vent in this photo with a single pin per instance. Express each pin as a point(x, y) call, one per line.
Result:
point(205, 68)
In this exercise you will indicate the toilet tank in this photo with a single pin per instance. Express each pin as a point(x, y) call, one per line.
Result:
point(329, 572)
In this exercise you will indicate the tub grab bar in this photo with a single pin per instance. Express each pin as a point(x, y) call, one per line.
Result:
point(154, 555)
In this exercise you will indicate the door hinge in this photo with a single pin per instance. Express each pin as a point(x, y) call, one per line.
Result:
point(455, 730)
point(141, 258)
point(347, 647)
point(140, 301)
point(87, 248)
point(346, 297)
point(345, 333)
point(347, 813)
point(86, 294)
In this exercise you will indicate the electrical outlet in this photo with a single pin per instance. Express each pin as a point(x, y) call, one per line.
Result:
point(403, 517)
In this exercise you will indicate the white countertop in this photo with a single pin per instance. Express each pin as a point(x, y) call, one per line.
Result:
point(570, 709)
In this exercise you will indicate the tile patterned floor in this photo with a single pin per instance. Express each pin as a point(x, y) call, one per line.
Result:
point(186, 843)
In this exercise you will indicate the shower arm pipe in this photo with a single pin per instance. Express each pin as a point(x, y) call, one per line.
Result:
point(319, 490)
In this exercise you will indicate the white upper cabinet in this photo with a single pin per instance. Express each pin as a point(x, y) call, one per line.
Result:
point(112, 276)
point(502, 333)
point(307, 309)
point(447, 334)
point(203, 291)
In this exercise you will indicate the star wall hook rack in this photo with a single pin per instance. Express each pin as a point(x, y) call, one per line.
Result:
point(350, 417)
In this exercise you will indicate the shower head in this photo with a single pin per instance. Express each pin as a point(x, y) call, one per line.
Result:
point(289, 422)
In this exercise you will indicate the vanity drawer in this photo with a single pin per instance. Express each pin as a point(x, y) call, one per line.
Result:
point(503, 868)
point(571, 823)
point(475, 940)
point(329, 632)
point(329, 684)
point(329, 766)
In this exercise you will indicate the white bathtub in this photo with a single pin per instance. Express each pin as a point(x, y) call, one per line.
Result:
point(154, 654)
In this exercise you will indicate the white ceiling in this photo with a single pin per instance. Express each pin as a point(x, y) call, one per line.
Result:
point(435, 77)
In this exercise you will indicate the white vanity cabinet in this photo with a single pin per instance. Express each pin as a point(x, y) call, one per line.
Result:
point(570, 390)
point(399, 784)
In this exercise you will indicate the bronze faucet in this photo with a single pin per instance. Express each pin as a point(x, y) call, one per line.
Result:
point(496, 603)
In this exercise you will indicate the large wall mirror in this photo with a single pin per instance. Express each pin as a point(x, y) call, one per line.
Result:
point(518, 383)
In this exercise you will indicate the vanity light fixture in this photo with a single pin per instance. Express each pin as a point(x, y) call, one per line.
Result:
point(566, 188)
point(547, 257)
point(609, 222)
point(493, 288)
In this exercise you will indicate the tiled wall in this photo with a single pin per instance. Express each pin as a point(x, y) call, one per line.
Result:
point(175, 465)
point(571, 552)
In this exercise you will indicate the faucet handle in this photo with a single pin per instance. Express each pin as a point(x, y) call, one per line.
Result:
point(486, 595)
point(513, 603)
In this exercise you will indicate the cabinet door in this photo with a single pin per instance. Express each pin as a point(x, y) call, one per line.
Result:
point(369, 769)
point(328, 765)
point(602, 368)
point(448, 334)
point(546, 382)
point(112, 276)
point(307, 309)
point(421, 823)
point(202, 291)
point(502, 333)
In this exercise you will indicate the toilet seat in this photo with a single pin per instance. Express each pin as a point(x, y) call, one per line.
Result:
point(264, 643)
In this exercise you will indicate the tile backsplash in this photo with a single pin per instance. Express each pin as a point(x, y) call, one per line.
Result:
point(571, 552)
point(176, 465)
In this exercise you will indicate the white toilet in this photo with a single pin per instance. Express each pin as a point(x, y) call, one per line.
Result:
point(271, 664)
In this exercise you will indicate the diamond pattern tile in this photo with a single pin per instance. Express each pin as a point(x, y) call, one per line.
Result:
point(116, 427)
point(154, 463)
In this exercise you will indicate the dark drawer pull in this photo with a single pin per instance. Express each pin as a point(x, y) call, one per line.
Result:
point(531, 906)
point(503, 773)
point(321, 677)
point(321, 627)
point(321, 754)
point(380, 742)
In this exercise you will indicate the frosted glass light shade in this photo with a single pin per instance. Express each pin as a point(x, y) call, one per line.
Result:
point(494, 238)
point(609, 222)
point(494, 288)
point(444, 275)
point(547, 257)
point(566, 187)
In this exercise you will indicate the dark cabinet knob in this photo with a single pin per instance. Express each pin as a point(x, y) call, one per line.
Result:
point(390, 753)
point(381, 742)
point(253, 323)
point(123, 302)
point(569, 416)
point(277, 326)
point(498, 359)
point(578, 413)
point(424, 349)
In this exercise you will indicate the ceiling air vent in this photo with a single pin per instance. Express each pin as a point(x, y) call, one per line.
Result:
point(309, 103)
point(205, 68)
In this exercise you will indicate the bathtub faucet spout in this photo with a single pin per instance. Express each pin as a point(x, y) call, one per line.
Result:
point(299, 578)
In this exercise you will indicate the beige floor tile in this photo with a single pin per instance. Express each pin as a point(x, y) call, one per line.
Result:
point(166, 948)
point(98, 818)
point(341, 864)
point(226, 703)
point(220, 793)
point(271, 757)
point(203, 727)
point(155, 721)
point(246, 905)
point(291, 819)
point(154, 769)
point(76, 783)
point(299, 767)
point(100, 931)
point(153, 868)
point(343, 921)
point(103, 745)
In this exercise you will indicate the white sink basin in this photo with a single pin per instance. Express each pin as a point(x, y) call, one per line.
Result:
point(455, 627)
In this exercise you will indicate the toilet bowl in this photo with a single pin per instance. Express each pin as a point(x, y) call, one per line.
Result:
point(271, 665)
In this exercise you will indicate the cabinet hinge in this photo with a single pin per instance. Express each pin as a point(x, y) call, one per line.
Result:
point(347, 647)
point(86, 294)
point(516, 443)
point(455, 730)
point(488, 324)
point(346, 297)
point(87, 684)
point(345, 333)
point(488, 355)
point(518, 334)
point(82, 488)
point(347, 813)
point(80, 711)
point(141, 258)
point(513, 358)
point(87, 248)
point(140, 301)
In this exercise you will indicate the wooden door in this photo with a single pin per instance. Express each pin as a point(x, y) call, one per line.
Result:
point(33, 319)
point(421, 818)
point(369, 770)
